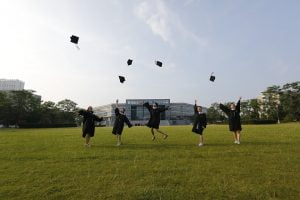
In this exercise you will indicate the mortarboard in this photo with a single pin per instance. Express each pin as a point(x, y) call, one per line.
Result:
point(75, 39)
point(212, 77)
point(158, 63)
point(129, 62)
point(122, 79)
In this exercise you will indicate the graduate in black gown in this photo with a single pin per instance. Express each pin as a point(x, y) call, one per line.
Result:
point(199, 122)
point(154, 120)
point(88, 128)
point(234, 119)
point(121, 118)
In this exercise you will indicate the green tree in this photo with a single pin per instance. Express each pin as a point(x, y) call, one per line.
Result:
point(67, 111)
point(290, 101)
point(214, 113)
point(5, 109)
point(271, 103)
point(24, 106)
point(250, 109)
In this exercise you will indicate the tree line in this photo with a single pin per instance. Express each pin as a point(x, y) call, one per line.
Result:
point(276, 104)
point(25, 109)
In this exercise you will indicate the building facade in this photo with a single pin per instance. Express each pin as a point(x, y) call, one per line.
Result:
point(11, 85)
point(178, 113)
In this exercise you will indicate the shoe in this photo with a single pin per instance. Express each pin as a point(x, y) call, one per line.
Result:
point(87, 145)
point(235, 142)
point(153, 138)
point(119, 144)
point(238, 142)
point(165, 137)
point(200, 144)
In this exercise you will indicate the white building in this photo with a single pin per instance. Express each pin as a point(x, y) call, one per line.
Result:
point(11, 85)
point(178, 114)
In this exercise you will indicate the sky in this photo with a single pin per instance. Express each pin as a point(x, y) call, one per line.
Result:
point(249, 45)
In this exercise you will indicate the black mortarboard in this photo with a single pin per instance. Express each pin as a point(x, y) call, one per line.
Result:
point(74, 39)
point(129, 62)
point(122, 79)
point(212, 77)
point(158, 63)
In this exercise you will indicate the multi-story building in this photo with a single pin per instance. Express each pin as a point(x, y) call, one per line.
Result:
point(178, 113)
point(11, 85)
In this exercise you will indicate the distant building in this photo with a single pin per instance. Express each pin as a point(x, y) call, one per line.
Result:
point(178, 114)
point(11, 85)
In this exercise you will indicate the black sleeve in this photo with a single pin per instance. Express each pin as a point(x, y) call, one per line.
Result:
point(82, 112)
point(224, 109)
point(147, 106)
point(163, 109)
point(195, 108)
point(238, 106)
point(96, 118)
point(117, 111)
point(126, 120)
point(205, 122)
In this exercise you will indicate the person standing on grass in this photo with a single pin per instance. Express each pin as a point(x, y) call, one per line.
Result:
point(88, 128)
point(154, 120)
point(233, 113)
point(199, 122)
point(121, 118)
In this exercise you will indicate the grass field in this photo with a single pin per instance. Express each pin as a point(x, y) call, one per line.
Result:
point(54, 164)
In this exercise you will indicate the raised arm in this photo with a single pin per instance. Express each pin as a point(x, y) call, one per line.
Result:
point(224, 109)
point(147, 105)
point(126, 120)
point(205, 121)
point(195, 107)
point(117, 103)
point(238, 105)
point(82, 112)
point(163, 109)
point(117, 111)
point(96, 118)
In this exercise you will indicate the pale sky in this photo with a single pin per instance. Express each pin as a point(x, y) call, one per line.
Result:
point(248, 44)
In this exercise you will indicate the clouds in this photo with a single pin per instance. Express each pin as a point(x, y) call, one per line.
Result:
point(156, 16)
point(165, 23)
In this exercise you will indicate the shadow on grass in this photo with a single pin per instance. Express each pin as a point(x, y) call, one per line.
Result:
point(161, 146)
point(189, 146)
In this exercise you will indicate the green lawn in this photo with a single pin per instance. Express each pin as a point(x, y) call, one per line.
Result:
point(54, 164)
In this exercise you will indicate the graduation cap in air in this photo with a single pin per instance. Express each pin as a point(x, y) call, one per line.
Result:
point(122, 79)
point(129, 62)
point(158, 63)
point(212, 77)
point(75, 39)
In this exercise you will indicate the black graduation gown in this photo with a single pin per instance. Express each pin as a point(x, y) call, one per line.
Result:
point(89, 122)
point(233, 116)
point(154, 120)
point(199, 121)
point(119, 123)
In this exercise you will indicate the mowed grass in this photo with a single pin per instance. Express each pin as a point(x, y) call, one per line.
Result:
point(54, 164)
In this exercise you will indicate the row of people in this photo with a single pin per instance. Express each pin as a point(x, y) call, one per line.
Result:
point(200, 122)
